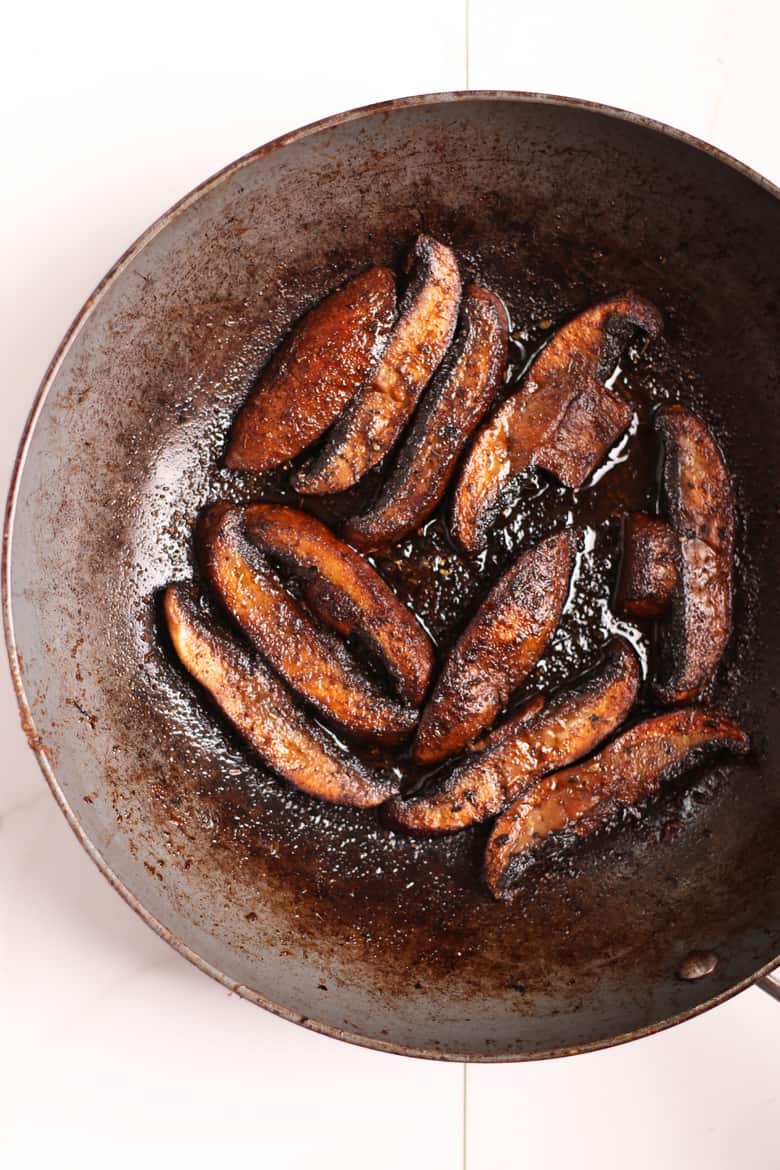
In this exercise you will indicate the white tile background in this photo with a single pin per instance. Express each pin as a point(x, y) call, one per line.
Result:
point(112, 1048)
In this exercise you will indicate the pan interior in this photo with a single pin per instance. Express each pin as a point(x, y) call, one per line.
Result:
point(318, 909)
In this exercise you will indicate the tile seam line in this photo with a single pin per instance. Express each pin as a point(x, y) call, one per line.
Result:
point(465, 1115)
point(467, 41)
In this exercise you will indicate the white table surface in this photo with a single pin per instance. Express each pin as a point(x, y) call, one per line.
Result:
point(112, 1047)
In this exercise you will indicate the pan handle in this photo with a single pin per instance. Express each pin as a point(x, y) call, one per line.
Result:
point(771, 984)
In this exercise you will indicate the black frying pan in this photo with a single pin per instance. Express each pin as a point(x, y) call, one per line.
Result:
point(317, 912)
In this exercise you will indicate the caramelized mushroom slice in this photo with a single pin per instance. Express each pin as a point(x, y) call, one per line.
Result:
point(348, 592)
point(650, 566)
point(521, 715)
point(375, 418)
point(332, 608)
point(453, 404)
point(314, 374)
point(263, 712)
point(539, 738)
point(499, 647)
point(563, 418)
point(582, 799)
point(592, 423)
point(700, 506)
point(314, 662)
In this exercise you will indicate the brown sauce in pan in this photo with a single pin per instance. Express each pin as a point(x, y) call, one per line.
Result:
point(443, 586)
point(369, 888)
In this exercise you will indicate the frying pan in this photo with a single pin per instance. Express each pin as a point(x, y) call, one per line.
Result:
point(314, 912)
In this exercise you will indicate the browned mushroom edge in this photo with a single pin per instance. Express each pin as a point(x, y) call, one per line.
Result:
point(497, 650)
point(373, 421)
point(575, 803)
point(451, 407)
point(314, 374)
point(699, 503)
point(562, 418)
point(264, 713)
point(345, 591)
point(649, 566)
point(314, 662)
point(547, 733)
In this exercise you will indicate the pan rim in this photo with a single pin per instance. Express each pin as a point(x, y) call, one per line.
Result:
point(39, 402)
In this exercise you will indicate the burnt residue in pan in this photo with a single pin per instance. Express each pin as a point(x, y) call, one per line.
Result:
point(554, 211)
point(354, 885)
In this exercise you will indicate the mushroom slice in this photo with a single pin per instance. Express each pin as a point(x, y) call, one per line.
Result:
point(497, 650)
point(521, 715)
point(451, 407)
point(330, 607)
point(347, 592)
point(700, 506)
point(580, 800)
point(264, 713)
point(562, 418)
point(314, 374)
point(314, 662)
point(539, 738)
point(650, 566)
point(418, 341)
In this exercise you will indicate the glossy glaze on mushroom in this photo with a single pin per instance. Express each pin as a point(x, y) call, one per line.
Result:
point(650, 567)
point(314, 374)
point(583, 798)
point(265, 714)
point(451, 408)
point(545, 734)
point(313, 662)
point(497, 650)
point(346, 592)
point(454, 724)
point(418, 341)
point(563, 418)
point(699, 502)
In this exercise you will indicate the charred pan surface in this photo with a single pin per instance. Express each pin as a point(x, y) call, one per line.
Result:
point(498, 648)
point(264, 713)
point(451, 408)
point(417, 344)
point(312, 661)
point(650, 566)
point(700, 505)
point(543, 736)
point(582, 799)
point(563, 418)
point(348, 593)
point(314, 374)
